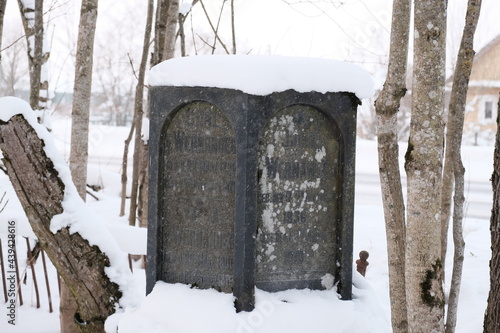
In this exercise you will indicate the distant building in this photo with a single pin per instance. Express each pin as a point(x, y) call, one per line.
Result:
point(482, 97)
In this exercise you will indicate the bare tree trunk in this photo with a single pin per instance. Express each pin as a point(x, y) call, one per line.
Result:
point(387, 106)
point(453, 155)
point(32, 18)
point(138, 114)
point(492, 315)
point(171, 29)
point(80, 130)
point(233, 32)
point(160, 31)
point(81, 95)
point(423, 164)
point(182, 35)
point(124, 168)
point(165, 35)
point(40, 61)
point(41, 191)
point(2, 15)
point(68, 307)
point(446, 196)
point(139, 171)
point(142, 206)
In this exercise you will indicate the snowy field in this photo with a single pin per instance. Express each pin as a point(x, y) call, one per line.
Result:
point(322, 308)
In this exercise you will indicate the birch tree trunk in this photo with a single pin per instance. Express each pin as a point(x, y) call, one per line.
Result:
point(423, 164)
point(453, 156)
point(387, 106)
point(492, 316)
point(41, 191)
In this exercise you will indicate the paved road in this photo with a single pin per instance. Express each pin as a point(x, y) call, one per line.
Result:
point(478, 195)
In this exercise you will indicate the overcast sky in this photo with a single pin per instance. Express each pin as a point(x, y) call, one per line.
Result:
point(351, 30)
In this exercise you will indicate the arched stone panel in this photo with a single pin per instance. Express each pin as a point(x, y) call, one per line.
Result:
point(196, 206)
point(299, 186)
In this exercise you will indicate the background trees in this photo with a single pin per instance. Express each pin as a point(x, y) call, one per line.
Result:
point(421, 268)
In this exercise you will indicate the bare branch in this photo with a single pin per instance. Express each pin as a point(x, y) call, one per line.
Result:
point(213, 28)
point(232, 27)
point(205, 42)
point(1, 200)
point(132, 66)
point(455, 167)
point(387, 106)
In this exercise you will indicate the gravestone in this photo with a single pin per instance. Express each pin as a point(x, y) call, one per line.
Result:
point(196, 191)
point(298, 199)
point(251, 191)
point(251, 185)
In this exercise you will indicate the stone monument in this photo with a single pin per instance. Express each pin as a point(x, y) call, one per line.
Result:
point(251, 190)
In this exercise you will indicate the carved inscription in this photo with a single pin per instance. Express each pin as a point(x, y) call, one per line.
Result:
point(197, 205)
point(298, 190)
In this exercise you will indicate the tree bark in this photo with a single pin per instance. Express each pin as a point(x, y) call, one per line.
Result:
point(233, 32)
point(81, 95)
point(160, 32)
point(165, 35)
point(138, 114)
point(80, 130)
point(3, 3)
point(41, 95)
point(171, 29)
point(387, 106)
point(41, 191)
point(453, 158)
point(32, 19)
point(423, 164)
point(123, 193)
point(492, 315)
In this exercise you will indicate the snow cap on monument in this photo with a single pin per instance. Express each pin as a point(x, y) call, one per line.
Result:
point(263, 75)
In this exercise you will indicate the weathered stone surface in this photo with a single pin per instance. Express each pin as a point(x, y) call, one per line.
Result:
point(298, 190)
point(196, 197)
point(251, 190)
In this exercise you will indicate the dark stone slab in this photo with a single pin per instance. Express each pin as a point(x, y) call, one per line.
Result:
point(196, 191)
point(219, 192)
point(298, 199)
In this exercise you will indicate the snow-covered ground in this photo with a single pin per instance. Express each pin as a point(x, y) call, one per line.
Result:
point(322, 308)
